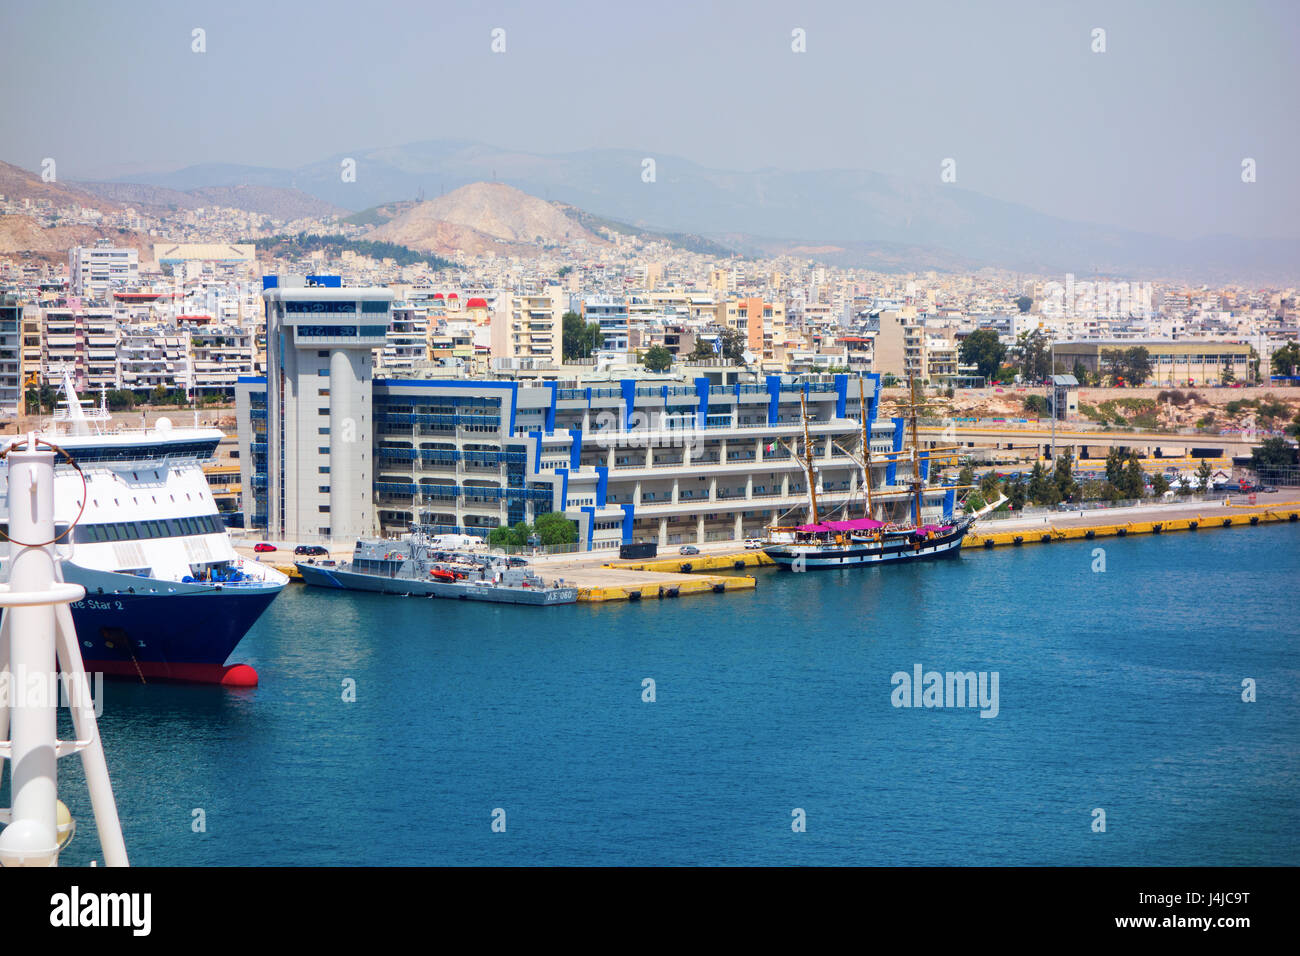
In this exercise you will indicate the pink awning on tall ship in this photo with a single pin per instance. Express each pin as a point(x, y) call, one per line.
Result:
point(931, 528)
point(856, 524)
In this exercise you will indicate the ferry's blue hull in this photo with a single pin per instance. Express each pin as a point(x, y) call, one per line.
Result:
point(180, 637)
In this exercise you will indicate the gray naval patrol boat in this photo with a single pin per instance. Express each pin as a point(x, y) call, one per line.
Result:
point(407, 567)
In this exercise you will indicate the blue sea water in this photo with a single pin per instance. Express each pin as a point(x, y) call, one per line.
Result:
point(1119, 690)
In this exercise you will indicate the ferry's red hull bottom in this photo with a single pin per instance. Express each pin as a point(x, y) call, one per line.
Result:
point(227, 675)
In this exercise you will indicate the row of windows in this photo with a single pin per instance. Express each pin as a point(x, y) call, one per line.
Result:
point(337, 331)
point(190, 449)
point(153, 528)
point(333, 307)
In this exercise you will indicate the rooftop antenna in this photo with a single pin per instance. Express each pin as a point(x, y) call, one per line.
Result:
point(38, 641)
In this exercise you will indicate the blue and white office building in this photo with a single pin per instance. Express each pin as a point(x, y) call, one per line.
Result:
point(662, 460)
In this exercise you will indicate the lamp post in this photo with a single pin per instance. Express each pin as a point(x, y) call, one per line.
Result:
point(1051, 378)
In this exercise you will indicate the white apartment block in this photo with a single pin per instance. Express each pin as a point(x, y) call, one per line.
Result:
point(94, 270)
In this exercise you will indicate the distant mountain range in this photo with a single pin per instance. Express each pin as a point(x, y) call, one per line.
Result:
point(853, 217)
point(865, 218)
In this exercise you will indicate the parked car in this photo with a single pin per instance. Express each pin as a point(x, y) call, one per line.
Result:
point(315, 550)
point(688, 549)
point(753, 544)
point(263, 548)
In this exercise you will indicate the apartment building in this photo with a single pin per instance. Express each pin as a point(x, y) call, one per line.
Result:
point(94, 270)
point(408, 341)
point(904, 347)
point(763, 324)
point(218, 356)
point(33, 320)
point(613, 315)
point(531, 325)
point(11, 355)
point(147, 358)
point(82, 339)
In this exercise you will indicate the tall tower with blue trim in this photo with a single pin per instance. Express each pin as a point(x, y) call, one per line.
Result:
point(320, 338)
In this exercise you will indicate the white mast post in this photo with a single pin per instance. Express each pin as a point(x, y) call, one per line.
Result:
point(34, 639)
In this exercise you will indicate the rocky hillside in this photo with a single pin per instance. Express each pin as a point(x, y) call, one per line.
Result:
point(481, 218)
point(18, 183)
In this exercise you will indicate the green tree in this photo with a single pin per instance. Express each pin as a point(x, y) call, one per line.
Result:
point(1273, 454)
point(41, 399)
point(734, 344)
point(1015, 491)
point(1063, 477)
point(553, 528)
point(513, 536)
point(120, 400)
point(1159, 484)
point(1041, 491)
point(657, 359)
point(1033, 358)
point(579, 339)
point(984, 350)
point(1023, 302)
point(1203, 473)
point(1036, 405)
point(1227, 376)
point(989, 486)
point(1081, 372)
point(1133, 365)
point(1286, 360)
point(1134, 485)
point(1115, 459)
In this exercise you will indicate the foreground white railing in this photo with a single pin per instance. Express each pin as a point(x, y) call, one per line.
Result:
point(38, 642)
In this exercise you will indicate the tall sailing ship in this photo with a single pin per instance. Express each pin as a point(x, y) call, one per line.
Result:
point(875, 537)
point(167, 596)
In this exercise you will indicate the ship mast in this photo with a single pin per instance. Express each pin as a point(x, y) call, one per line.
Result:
point(866, 447)
point(916, 455)
point(807, 454)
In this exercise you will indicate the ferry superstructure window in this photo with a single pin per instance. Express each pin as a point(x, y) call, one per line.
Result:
point(152, 528)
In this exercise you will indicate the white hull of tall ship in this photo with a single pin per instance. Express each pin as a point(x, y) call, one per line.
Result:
point(167, 596)
point(855, 551)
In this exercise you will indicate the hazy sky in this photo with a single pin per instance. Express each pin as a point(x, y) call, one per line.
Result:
point(1149, 135)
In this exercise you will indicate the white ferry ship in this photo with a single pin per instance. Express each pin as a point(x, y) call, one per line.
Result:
point(167, 596)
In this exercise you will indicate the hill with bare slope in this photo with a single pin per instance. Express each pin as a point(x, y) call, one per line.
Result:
point(480, 218)
point(18, 183)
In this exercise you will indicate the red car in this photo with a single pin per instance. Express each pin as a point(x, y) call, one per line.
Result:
point(263, 548)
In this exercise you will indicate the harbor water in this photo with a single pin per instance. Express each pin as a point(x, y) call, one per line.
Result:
point(1120, 689)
